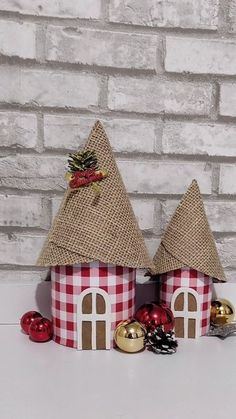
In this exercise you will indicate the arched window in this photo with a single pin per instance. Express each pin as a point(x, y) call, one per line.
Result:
point(93, 319)
point(185, 306)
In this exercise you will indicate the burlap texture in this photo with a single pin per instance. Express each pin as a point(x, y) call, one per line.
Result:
point(90, 227)
point(188, 240)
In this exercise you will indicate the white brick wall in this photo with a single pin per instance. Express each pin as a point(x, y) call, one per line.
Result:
point(20, 166)
point(228, 99)
point(18, 130)
point(227, 251)
point(159, 74)
point(24, 277)
point(217, 56)
point(154, 96)
point(166, 177)
point(18, 39)
point(199, 139)
point(122, 50)
point(63, 8)
point(201, 14)
point(126, 135)
point(19, 249)
point(227, 179)
point(232, 15)
point(48, 87)
point(23, 211)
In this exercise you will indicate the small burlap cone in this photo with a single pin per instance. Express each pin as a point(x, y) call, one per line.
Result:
point(90, 227)
point(188, 240)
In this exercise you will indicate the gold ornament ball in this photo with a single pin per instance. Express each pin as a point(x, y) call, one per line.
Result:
point(129, 336)
point(222, 312)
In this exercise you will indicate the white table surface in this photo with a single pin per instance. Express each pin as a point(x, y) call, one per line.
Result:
point(49, 381)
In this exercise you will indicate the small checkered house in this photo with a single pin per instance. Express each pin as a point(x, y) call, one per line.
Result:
point(187, 263)
point(93, 248)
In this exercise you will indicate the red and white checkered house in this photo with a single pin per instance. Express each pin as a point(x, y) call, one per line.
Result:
point(188, 293)
point(93, 249)
point(187, 263)
point(96, 293)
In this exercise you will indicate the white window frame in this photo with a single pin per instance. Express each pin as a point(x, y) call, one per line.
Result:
point(93, 317)
point(185, 313)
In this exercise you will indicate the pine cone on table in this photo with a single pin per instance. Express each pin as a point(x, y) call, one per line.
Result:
point(160, 342)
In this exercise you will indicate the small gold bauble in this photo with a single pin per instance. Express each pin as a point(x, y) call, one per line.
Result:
point(222, 311)
point(129, 336)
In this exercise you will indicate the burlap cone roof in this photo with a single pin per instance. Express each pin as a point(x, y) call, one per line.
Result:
point(188, 240)
point(90, 227)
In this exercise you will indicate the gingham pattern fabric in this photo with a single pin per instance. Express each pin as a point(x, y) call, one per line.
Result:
point(189, 278)
point(69, 281)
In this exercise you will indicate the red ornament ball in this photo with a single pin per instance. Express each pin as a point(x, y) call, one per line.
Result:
point(153, 315)
point(27, 319)
point(41, 330)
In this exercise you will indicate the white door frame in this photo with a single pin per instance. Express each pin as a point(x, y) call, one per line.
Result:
point(185, 313)
point(94, 317)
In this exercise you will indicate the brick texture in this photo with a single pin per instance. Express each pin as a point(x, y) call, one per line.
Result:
point(37, 167)
point(63, 8)
point(232, 16)
point(160, 75)
point(200, 14)
point(164, 177)
point(227, 179)
point(227, 251)
point(126, 135)
point(153, 96)
point(18, 130)
point(48, 88)
point(19, 249)
point(216, 56)
point(71, 45)
point(24, 277)
point(228, 99)
point(18, 39)
point(199, 139)
point(23, 211)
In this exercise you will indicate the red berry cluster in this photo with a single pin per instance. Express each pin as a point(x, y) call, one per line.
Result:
point(36, 326)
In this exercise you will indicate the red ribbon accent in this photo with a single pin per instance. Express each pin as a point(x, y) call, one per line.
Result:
point(82, 178)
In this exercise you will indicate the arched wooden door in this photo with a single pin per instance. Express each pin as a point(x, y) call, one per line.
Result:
point(185, 306)
point(93, 319)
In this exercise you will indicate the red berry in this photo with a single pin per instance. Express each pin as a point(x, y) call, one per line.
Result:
point(27, 319)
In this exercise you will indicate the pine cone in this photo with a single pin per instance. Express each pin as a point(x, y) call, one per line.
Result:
point(160, 342)
point(81, 161)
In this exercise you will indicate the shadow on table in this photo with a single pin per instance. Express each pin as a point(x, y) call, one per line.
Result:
point(43, 298)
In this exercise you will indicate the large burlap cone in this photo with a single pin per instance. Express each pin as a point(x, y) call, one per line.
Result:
point(90, 227)
point(188, 240)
